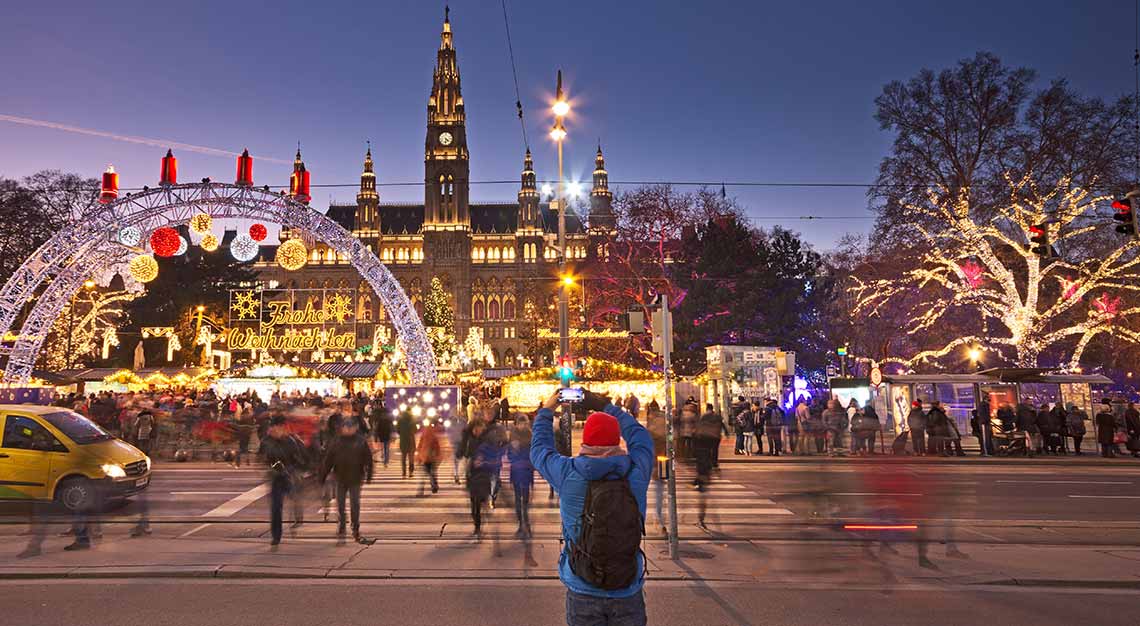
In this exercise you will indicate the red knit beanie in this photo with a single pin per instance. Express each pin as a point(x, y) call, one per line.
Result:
point(601, 430)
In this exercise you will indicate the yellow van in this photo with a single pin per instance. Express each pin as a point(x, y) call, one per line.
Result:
point(51, 453)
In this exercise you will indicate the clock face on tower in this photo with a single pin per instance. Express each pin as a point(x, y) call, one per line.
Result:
point(445, 138)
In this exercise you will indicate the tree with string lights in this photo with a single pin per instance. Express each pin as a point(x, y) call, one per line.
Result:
point(979, 164)
point(440, 322)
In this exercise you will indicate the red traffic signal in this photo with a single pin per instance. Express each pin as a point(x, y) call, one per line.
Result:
point(1125, 215)
point(1039, 240)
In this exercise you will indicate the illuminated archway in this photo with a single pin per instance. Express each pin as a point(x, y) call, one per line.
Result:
point(50, 276)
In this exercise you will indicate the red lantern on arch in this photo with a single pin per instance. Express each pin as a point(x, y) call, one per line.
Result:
point(244, 169)
point(165, 241)
point(169, 174)
point(110, 187)
point(258, 232)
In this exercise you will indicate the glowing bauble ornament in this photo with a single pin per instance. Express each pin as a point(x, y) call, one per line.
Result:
point(130, 236)
point(200, 223)
point(209, 242)
point(182, 246)
point(292, 254)
point(165, 241)
point(258, 232)
point(243, 248)
point(143, 268)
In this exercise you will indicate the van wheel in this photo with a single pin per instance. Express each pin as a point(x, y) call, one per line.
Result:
point(76, 494)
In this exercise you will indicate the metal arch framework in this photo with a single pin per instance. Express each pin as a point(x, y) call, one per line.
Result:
point(66, 260)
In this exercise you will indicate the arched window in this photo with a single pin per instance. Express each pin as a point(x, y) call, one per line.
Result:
point(364, 308)
point(493, 309)
point(508, 358)
point(509, 309)
point(477, 309)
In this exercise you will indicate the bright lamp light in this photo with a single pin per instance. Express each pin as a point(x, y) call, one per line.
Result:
point(561, 108)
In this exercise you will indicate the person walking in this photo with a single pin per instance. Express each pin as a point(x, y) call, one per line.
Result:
point(350, 459)
point(429, 453)
point(455, 434)
point(871, 426)
point(602, 490)
point(484, 464)
point(655, 424)
point(633, 405)
point(1106, 429)
point(382, 430)
point(688, 426)
point(706, 441)
point(522, 473)
point(406, 430)
point(285, 458)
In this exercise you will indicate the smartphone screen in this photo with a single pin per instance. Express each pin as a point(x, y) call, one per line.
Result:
point(571, 394)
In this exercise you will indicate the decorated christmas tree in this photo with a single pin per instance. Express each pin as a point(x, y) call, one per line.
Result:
point(440, 323)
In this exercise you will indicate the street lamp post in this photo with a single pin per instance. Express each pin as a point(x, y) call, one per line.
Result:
point(558, 133)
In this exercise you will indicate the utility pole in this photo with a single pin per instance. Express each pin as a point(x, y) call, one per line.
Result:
point(558, 133)
point(666, 321)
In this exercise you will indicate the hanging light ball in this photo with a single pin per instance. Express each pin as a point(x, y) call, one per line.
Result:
point(165, 241)
point(130, 236)
point(209, 242)
point(182, 246)
point(292, 254)
point(243, 248)
point(143, 268)
point(200, 223)
point(258, 232)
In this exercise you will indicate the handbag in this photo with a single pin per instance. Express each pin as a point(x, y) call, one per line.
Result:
point(1120, 438)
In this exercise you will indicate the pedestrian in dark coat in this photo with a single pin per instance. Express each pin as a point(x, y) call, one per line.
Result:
point(1132, 428)
point(406, 428)
point(1106, 430)
point(350, 459)
point(916, 422)
point(285, 456)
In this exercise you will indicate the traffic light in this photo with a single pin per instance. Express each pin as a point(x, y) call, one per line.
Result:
point(1125, 215)
point(566, 370)
point(1039, 240)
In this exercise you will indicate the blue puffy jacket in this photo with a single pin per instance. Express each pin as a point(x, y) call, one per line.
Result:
point(570, 477)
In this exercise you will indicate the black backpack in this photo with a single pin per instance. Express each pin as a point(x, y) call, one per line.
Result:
point(609, 538)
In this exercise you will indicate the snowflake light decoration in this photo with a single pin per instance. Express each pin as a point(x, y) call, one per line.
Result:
point(338, 306)
point(209, 242)
point(243, 248)
point(244, 304)
point(130, 236)
point(200, 224)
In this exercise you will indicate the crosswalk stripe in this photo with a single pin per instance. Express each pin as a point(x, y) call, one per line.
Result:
point(551, 512)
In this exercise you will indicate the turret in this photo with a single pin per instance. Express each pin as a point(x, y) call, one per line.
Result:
point(601, 198)
point(528, 196)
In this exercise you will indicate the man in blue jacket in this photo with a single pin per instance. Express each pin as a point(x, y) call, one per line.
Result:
point(601, 456)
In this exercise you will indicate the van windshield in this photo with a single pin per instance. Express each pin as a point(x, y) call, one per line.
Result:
point(77, 428)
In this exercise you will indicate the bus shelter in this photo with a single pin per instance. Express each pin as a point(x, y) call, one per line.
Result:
point(960, 393)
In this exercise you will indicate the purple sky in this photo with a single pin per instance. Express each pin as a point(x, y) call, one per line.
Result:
point(684, 91)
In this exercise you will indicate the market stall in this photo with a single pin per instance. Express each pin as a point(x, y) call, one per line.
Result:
point(526, 391)
point(266, 380)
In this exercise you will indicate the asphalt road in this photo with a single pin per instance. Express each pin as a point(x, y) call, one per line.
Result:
point(491, 603)
point(747, 500)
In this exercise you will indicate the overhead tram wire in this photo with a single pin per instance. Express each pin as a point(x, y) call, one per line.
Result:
point(515, 74)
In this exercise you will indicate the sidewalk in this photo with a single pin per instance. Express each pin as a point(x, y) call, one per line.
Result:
point(788, 563)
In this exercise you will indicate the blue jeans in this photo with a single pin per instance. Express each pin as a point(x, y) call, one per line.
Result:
point(583, 610)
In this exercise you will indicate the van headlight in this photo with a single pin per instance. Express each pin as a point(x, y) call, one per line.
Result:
point(148, 463)
point(114, 471)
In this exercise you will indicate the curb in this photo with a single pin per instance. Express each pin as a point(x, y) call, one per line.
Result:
point(265, 573)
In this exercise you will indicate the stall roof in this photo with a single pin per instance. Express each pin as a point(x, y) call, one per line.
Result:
point(1001, 375)
point(99, 373)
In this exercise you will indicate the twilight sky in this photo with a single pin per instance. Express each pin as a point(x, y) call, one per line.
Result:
point(682, 91)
